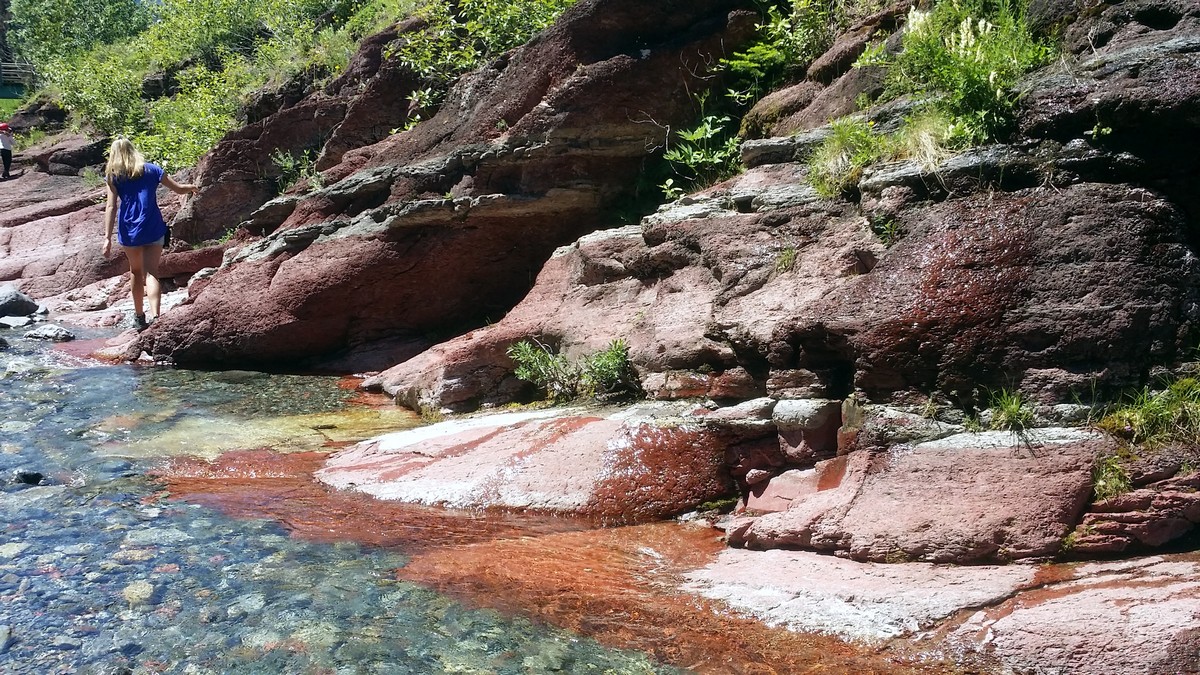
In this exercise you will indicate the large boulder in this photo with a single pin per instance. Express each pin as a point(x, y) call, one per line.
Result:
point(968, 498)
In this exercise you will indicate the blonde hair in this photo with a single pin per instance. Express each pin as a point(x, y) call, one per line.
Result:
point(124, 160)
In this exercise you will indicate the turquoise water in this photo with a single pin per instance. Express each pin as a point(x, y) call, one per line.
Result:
point(100, 573)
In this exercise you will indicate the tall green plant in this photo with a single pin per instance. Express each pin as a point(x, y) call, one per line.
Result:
point(609, 374)
point(458, 37)
point(704, 154)
point(604, 375)
point(538, 364)
point(967, 55)
point(181, 128)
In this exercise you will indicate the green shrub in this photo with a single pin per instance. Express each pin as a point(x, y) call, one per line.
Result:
point(102, 87)
point(788, 40)
point(604, 375)
point(703, 155)
point(233, 46)
point(550, 372)
point(887, 229)
point(785, 260)
point(499, 25)
point(837, 164)
point(458, 38)
point(183, 127)
point(373, 16)
point(608, 374)
point(294, 168)
point(968, 55)
point(44, 30)
point(1010, 411)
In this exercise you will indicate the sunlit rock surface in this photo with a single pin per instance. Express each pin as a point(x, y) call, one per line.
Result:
point(1137, 616)
point(619, 467)
point(967, 498)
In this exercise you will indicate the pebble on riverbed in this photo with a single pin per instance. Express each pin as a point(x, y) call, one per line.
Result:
point(139, 593)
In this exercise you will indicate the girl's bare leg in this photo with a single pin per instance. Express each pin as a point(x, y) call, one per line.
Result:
point(143, 266)
point(137, 269)
point(150, 256)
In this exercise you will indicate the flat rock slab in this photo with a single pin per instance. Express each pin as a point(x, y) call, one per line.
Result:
point(967, 498)
point(806, 591)
point(1129, 617)
point(616, 466)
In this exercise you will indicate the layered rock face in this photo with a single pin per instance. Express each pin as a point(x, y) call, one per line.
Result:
point(1061, 263)
point(447, 224)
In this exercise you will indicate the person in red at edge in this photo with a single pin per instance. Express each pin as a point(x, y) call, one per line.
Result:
point(141, 230)
point(6, 148)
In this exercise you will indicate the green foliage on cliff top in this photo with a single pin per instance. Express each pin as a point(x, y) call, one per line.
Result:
point(215, 53)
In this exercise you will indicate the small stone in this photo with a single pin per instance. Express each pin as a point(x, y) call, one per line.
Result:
point(50, 332)
point(12, 549)
point(64, 643)
point(139, 593)
point(15, 321)
point(5, 638)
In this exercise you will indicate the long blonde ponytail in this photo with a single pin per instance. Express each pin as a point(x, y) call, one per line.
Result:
point(124, 160)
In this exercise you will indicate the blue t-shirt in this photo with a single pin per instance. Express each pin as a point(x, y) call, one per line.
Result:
point(139, 222)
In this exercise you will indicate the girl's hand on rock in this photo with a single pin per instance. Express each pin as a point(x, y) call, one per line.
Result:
point(107, 247)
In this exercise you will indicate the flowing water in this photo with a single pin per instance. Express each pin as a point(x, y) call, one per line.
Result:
point(153, 525)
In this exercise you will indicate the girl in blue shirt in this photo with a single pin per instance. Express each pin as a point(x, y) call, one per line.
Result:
point(141, 230)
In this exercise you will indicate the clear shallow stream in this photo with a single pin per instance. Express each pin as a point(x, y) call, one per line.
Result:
point(103, 571)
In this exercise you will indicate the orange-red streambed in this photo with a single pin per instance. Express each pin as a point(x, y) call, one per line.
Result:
point(616, 585)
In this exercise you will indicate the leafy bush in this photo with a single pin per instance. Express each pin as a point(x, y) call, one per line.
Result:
point(789, 40)
point(702, 155)
point(231, 47)
point(373, 16)
point(294, 168)
point(457, 39)
point(44, 30)
point(968, 56)
point(102, 87)
point(183, 127)
point(548, 371)
point(604, 375)
point(608, 374)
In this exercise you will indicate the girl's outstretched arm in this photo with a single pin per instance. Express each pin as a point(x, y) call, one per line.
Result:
point(181, 188)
